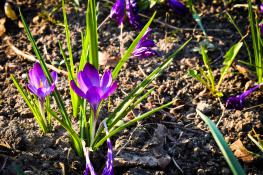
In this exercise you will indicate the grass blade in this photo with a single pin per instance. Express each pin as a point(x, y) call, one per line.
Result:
point(223, 146)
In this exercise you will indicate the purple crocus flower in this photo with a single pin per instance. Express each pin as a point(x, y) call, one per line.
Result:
point(92, 87)
point(261, 8)
point(132, 13)
point(38, 83)
point(108, 169)
point(144, 47)
point(177, 7)
point(237, 102)
point(118, 11)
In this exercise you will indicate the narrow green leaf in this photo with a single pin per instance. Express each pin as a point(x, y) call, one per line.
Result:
point(194, 74)
point(207, 65)
point(128, 53)
point(223, 146)
point(91, 30)
point(122, 127)
point(229, 58)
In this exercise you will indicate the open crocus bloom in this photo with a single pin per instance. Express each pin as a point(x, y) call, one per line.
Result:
point(118, 12)
point(108, 169)
point(237, 102)
point(38, 83)
point(144, 47)
point(177, 6)
point(92, 87)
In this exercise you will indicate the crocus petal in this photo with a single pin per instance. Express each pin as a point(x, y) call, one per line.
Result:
point(148, 43)
point(94, 97)
point(144, 52)
point(54, 76)
point(92, 74)
point(110, 90)
point(89, 167)
point(42, 93)
point(76, 89)
point(118, 11)
point(108, 169)
point(106, 80)
point(36, 75)
point(177, 6)
point(83, 82)
point(261, 8)
point(238, 101)
point(132, 13)
point(32, 89)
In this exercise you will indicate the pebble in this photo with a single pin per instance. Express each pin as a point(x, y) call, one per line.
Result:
point(204, 107)
point(200, 171)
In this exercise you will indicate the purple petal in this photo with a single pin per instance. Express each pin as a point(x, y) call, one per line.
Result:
point(92, 74)
point(108, 169)
point(132, 13)
point(36, 75)
point(178, 7)
point(83, 82)
point(94, 97)
point(110, 90)
point(76, 89)
point(117, 11)
point(144, 52)
point(238, 101)
point(42, 93)
point(32, 89)
point(89, 167)
point(148, 43)
point(106, 80)
point(261, 8)
point(54, 76)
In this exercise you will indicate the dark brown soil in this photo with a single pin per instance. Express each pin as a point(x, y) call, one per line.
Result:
point(173, 141)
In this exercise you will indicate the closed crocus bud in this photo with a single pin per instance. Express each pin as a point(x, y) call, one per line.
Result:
point(177, 6)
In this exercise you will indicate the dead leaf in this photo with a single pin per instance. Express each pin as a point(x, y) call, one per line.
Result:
point(245, 72)
point(241, 152)
point(2, 26)
point(106, 60)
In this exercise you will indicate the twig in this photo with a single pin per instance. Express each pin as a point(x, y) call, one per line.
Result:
point(179, 168)
point(104, 21)
point(142, 71)
point(32, 58)
point(223, 112)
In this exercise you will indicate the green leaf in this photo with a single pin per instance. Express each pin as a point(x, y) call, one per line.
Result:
point(131, 48)
point(229, 58)
point(207, 65)
point(194, 74)
point(223, 146)
point(92, 35)
point(122, 127)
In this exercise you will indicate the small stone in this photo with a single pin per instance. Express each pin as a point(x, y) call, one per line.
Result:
point(200, 171)
point(24, 76)
point(204, 107)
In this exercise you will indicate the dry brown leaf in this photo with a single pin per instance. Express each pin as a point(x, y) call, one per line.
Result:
point(241, 152)
point(106, 60)
point(2, 26)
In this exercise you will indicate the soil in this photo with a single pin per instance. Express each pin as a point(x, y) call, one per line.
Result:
point(172, 141)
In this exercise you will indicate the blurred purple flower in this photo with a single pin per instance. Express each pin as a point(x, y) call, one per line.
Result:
point(132, 13)
point(92, 87)
point(108, 169)
point(118, 12)
point(144, 47)
point(177, 7)
point(261, 8)
point(38, 83)
point(237, 102)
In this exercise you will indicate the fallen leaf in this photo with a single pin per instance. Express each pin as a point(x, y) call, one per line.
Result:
point(2, 26)
point(241, 152)
point(106, 60)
